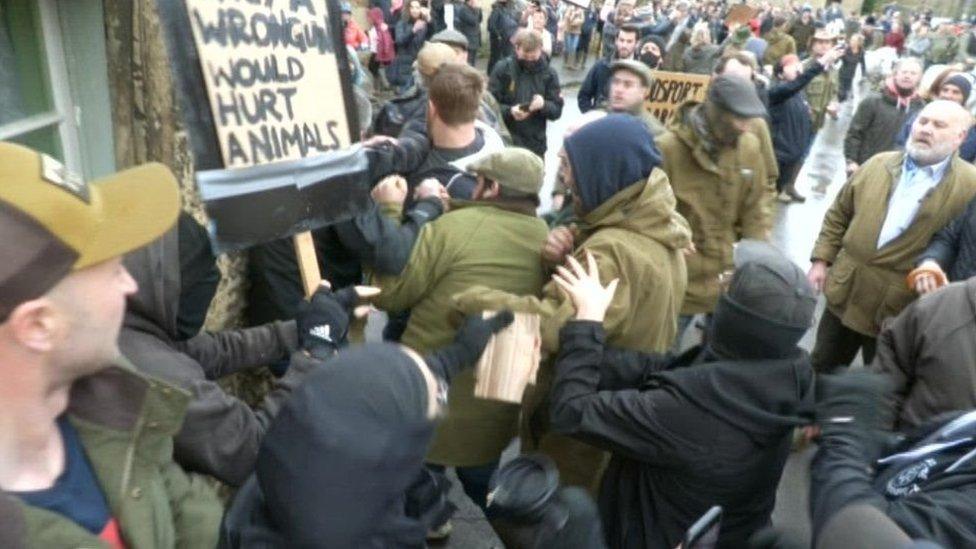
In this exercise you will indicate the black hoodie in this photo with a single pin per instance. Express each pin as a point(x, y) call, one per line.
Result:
point(221, 433)
point(335, 466)
point(686, 433)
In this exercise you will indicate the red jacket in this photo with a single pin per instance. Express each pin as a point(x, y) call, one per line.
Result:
point(895, 40)
point(354, 36)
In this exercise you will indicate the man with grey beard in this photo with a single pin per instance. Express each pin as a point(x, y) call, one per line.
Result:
point(880, 222)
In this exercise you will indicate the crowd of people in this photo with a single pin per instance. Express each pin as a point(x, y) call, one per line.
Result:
point(115, 414)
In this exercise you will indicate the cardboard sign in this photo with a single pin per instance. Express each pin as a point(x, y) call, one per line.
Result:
point(510, 361)
point(671, 89)
point(272, 77)
point(740, 14)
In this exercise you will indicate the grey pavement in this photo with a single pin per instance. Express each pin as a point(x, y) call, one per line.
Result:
point(796, 228)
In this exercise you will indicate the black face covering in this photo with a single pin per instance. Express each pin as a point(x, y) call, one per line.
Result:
point(532, 66)
point(335, 465)
point(199, 277)
point(650, 59)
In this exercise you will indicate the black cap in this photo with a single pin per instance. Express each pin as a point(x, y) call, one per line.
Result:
point(768, 307)
point(736, 95)
point(767, 283)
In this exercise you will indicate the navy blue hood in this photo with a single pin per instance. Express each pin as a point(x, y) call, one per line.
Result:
point(609, 155)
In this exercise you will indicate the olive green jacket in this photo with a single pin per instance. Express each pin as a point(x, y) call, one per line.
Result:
point(820, 92)
point(126, 422)
point(865, 285)
point(476, 244)
point(778, 45)
point(724, 200)
point(636, 236)
point(760, 128)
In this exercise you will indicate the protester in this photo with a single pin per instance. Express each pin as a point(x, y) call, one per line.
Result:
point(895, 37)
point(919, 42)
point(86, 449)
point(712, 426)
point(538, 23)
point(791, 123)
point(958, 88)
point(586, 37)
point(869, 245)
point(621, 16)
point(494, 241)
point(352, 35)
point(701, 56)
point(632, 229)
point(780, 44)
point(852, 59)
point(926, 351)
point(528, 92)
point(177, 277)
point(945, 46)
point(802, 31)
point(381, 46)
point(467, 21)
point(410, 34)
point(863, 495)
point(651, 52)
point(630, 86)
point(950, 255)
point(822, 91)
point(715, 166)
point(742, 65)
point(572, 23)
point(503, 22)
point(336, 466)
point(880, 116)
point(593, 91)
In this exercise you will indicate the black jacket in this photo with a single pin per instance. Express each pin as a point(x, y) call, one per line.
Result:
point(595, 88)
point(918, 495)
point(467, 21)
point(369, 238)
point(954, 246)
point(789, 114)
point(511, 85)
point(503, 22)
point(875, 126)
point(685, 434)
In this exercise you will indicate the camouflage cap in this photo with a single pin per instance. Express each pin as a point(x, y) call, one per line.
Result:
point(512, 167)
point(635, 67)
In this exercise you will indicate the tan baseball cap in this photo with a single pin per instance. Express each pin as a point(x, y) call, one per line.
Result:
point(53, 222)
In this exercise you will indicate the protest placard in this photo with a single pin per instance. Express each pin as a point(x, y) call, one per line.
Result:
point(266, 83)
point(671, 89)
point(510, 360)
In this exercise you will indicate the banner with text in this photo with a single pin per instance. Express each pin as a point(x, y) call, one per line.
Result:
point(671, 89)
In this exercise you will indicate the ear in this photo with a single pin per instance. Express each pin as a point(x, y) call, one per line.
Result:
point(431, 108)
point(34, 325)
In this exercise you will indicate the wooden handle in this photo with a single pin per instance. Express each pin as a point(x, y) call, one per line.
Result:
point(308, 263)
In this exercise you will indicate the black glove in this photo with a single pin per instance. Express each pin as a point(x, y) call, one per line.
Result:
point(323, 321)
point(858, 399)
point(469, 343)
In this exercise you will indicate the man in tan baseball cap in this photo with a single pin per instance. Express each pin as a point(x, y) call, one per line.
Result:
point(85, 441)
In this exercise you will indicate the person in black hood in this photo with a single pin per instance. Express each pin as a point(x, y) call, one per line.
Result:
point(334, 468)
point(710, 427)
point(161, 335)
point(528, 92)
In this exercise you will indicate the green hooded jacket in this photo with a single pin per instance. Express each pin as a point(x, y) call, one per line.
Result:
point(637, 236)
point(126, 422)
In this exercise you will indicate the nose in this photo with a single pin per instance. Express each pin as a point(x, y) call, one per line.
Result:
point(127, 284)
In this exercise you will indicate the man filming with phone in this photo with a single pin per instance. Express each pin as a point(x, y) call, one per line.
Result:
point(527, 90)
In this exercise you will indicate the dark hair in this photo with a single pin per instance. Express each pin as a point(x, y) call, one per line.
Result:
point(631, 29)
point(741, 57)
point(455, 90)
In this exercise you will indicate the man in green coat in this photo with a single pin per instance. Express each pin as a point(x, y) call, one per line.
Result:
point(86, 447)
point(821, 92)
point(630, 225)
point(779, 43)
point(868, 245)
point(716, 169)
point(494, 241)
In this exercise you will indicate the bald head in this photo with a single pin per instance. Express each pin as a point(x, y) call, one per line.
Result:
point(938, 131)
